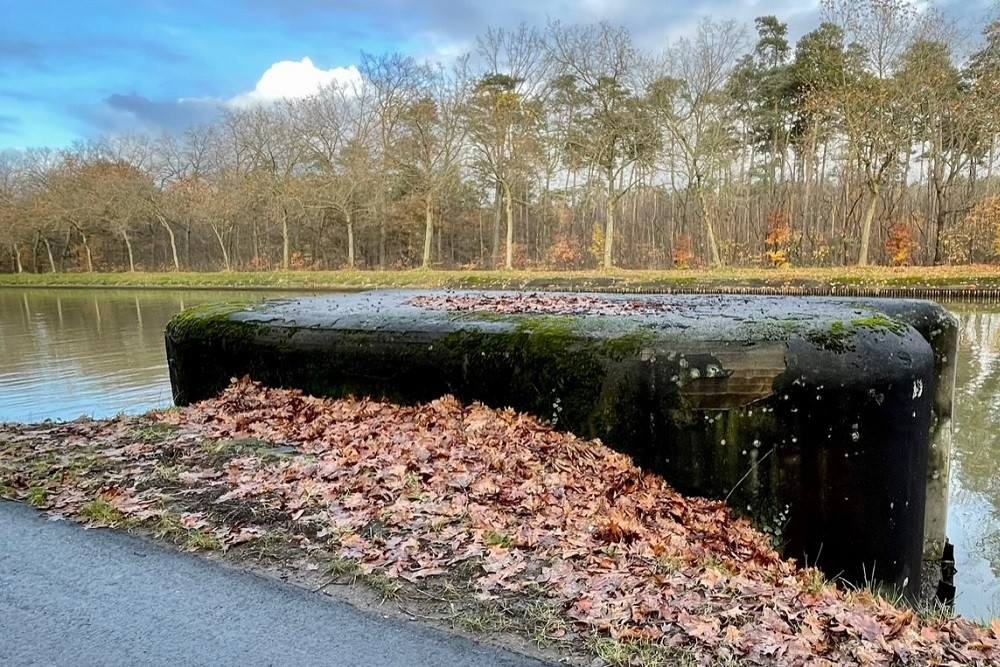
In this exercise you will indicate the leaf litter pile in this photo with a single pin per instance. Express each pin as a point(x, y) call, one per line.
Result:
point(540, 304)
point(523, 516)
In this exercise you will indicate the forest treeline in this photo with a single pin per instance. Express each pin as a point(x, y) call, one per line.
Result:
point(873, 139)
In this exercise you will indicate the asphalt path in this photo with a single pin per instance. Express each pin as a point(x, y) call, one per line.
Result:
point(70, 596)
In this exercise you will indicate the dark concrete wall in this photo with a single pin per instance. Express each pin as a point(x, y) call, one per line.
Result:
point(813, 417)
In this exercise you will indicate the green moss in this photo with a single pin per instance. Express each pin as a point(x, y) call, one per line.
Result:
point(541, 366)
point(628, 344)
point(547, 325)
point(774, 330)
point(211, 321)
point(835, 338)
point(880, 322)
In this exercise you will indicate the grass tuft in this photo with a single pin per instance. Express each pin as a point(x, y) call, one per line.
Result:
point(497, 539)
point(103, 513)
point(640, 653)
point(387, 587)
point(37, 496)
point(484, 619)
point(339, 566)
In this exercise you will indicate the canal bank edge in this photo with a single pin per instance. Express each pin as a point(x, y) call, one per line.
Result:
point(814, 417)
point(980, 283)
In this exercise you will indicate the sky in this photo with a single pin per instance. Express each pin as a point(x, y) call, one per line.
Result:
point(73, 71)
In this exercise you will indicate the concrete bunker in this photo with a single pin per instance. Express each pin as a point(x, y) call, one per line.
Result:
point(825, 420)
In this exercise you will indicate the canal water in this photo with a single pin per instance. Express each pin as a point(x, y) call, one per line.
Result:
point(65, 353)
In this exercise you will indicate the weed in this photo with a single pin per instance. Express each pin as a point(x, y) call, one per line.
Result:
point(101, 512)
point(774, 524)
point(154, 432)
point(201, 540)
point(169, 525)
point(668, 564)
point(414, 485)
point(166, 473)
point(935, 610)
point(469, 568)
point(544, 621)
point(497, 539)
point(266, 547)
point(639, 653)
point(449, 591)
point(536, 590)
point(231, 448)
point(485, 618)
point(339, 566)
point(713, 563)
point(815, 581)
point(384, 585)
point(37, 497)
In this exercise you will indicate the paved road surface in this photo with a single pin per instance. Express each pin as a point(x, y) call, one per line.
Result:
point(78, 597)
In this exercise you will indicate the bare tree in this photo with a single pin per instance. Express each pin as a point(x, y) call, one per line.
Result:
point(599, 67)
point(688, 92)
point(428, 149)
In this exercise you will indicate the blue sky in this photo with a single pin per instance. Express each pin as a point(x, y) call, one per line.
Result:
point(76, 70)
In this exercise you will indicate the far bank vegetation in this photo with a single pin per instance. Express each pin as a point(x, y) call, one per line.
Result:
point(872, 139)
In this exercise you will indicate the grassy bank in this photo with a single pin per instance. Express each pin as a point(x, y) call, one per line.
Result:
point(971, 279)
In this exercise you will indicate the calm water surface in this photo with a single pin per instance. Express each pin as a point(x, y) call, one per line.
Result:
point(974, 510)
point(64, 353)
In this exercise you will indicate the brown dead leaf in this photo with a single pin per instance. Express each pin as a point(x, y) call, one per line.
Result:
point(420, 491)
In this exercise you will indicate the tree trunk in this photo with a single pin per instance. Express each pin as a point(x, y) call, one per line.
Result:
point(866, 228)
point(48, 249)
point(428, 231)
point(508, 210)
point(497, 213)
point(131, 257)
point(173, 242)
point(939, 185)
point(255, 244)
point(807, 178)
point(17, 257)
point(706, 216)
point(381, 240)
point(66, 248)
point(86, 249)
point(286, 250)
point(938, 226)
point(350, 241)
point(609, 223)
point(222, 247)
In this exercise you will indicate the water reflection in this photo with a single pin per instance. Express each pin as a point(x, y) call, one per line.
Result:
point(974, 512)
point(64, 353)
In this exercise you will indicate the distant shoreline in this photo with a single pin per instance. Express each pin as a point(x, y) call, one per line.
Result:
point(972, 283)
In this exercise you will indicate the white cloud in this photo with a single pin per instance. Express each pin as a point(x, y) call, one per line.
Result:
point(288, 79)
